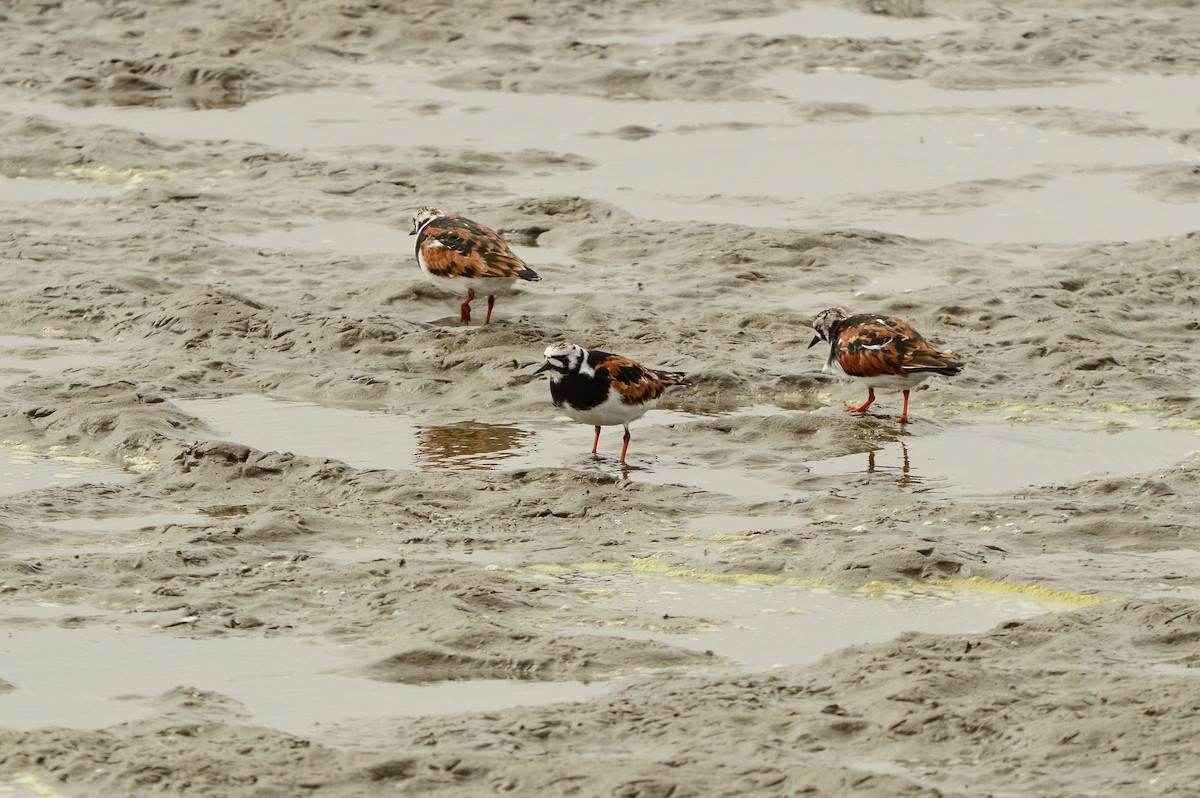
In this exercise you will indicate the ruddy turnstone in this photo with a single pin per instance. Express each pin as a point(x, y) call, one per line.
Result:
point(880, 351)
point(602, 389)
point(455, 250)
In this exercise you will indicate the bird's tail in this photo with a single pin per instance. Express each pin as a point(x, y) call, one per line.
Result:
point(948, 368)
point(671, 377)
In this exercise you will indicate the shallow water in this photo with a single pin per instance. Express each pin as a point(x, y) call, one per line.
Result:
point(768, 625)
point(1053, 213)
point(1174, 572)
point(681, 171)
point(30, 190)
point(1157, 101)
point(365, 238)
point(739, 524)
point(22, 469)
point(127, 533)
point(129, 523)
point(812, 20)
point(349, 237)
point(986, 458)
point(371, 439)
point(969, 456)
point(883, 285)
point(99, 675)
point(23, 355)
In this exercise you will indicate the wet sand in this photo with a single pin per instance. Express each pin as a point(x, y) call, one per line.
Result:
point(275, 524)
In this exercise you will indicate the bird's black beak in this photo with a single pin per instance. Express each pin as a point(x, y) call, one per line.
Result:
point(545, 367)
point(815, 341)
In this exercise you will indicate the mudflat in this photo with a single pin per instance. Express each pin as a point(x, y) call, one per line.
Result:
point(272, 522)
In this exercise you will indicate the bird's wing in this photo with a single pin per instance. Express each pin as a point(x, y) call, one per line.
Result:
point(456, 247)
point(636, 383)
point(872, 346)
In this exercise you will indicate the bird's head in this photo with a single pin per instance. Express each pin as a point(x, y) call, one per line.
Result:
point(424, 216)
point(825, 323)
point(563, 359)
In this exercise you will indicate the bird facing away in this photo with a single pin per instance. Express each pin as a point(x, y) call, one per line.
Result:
point(452, 250)
point(880, 351)
point(603, 389)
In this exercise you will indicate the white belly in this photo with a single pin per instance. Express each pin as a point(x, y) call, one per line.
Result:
point(885, 382)
point(611, 411)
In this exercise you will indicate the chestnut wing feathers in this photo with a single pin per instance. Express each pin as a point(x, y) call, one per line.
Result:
point(872, 346)
point(636, 383)
point(468, 249)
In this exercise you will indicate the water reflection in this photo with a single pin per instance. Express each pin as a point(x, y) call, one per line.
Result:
point(882, 462)
point(469, 445)
point(986, 458)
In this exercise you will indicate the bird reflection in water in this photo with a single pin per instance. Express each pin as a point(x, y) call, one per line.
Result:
point(469, 445)
point(902, 472)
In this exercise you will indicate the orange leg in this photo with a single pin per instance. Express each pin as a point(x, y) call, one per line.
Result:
point(491, 302)
point(904, 416)
point(625, 448)
point(466, 306)
point(863, 407)
point(596, 442)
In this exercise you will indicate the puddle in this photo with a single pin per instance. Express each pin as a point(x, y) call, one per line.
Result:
point(885, 285)
point(1051, 214)
point(23, 469)
point(968, 458)
point(1171, 669)
point(1173, 572)
point(359, 438)
point(29, 190)
point(779, 624)
point(351, 238)
point(740, 524)
point(681, 171)
point(366, 238)
point(810, 20)
point(126, 533)
point(400, 551)
point(131, 523)
point(471, 445)
point(987, 458)
point(354, 436)
point(283, 684)
point(1151, 100)
point(485, 557)
point(21, 356)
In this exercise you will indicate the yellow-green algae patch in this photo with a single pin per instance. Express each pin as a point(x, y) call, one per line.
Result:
point(979, 585)
point(107, 174)
point(1039, 592)
point(649, 566)
point(25, 452)
point(140, 462)
point(973, 584)
point(31, 783)
point(726, 537)
point(1192, 425)
point(550, 569)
